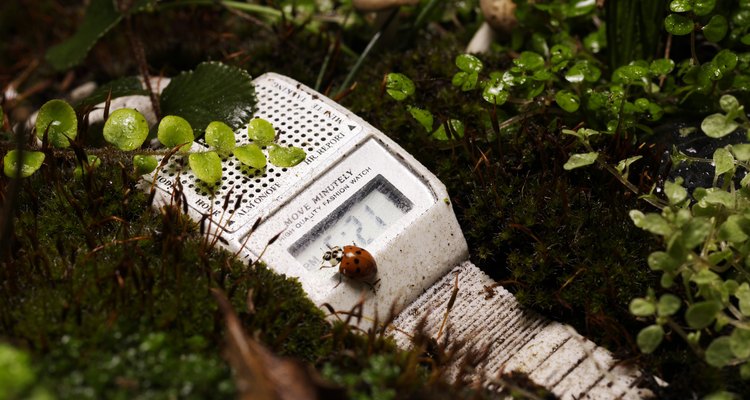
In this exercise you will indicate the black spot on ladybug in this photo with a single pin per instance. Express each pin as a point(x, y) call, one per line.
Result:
point(358, 252)
point(358, 270)
point(356, 260)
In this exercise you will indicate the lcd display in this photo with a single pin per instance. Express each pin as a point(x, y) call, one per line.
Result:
point(360, 220)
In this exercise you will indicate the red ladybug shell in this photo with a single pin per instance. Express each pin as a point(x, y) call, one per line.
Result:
point(357, 263)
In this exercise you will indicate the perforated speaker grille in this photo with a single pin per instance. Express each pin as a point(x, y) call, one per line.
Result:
point(296, 124)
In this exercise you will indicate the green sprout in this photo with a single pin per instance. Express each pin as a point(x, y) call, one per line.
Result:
point(221, 137)
point(206, 166)
point(261, 131)
point(30, 162)
point(126, 128)
point(175, 131)
point(58, 121)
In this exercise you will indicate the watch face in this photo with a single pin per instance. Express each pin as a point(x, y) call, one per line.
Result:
point(359, 220)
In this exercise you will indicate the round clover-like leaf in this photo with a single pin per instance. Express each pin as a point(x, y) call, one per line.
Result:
point(568, 100)
point(649, 338)
point(144, 164)
point(719, 352)
point(678, 25)
point(703, 7)
point(221, 137)
point(529, 60)
point(716, 28)
point(702, 314)
point(285, 156)
point(725, 61)
point(251, 155)
point(583, 71)
point(126, 128)
point(680, 5)
point(465, 80)
point(261, 131)
point(717, 126)
point(668, 305)
point(494, 93)
point(58, 119)
point(399, 86)
point(641, 307)
point(174, 131)
point(630, 74)
point(469, 63)
point(206, 166)
point(30, 162)
point(729, 103)
point(661, 66)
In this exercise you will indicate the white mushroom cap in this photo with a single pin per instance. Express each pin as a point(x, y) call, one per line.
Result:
point(500, 14)
point(379, 5)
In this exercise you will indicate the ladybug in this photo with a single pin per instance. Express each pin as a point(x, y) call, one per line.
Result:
point(353, 261)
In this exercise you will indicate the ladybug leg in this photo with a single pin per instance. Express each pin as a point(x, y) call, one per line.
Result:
point(340, 280)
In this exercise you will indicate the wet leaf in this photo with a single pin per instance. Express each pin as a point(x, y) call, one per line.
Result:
point(221, 137)
point(206, 166)
point(174, 131)
point(469, 63)
point(144, 164)
point(61, 119)
point(662, 66)
point(212, 92)
point(261, 131)
point(126, 128)
point(703, 7)
point(567, 100)
point(681, 5)
point(285, 156)
point(529, 60)
point(580, 160)
point(251, 155)
point(678, 24)
point(716, 28)
point(30, 162)
point(399, 86)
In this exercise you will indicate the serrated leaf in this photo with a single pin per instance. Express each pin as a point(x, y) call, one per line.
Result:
point(649, 338)
point(30, 162)
point(251, 155)
point(213, 92)
point(144, 164)
point(58, 119)
point(702, 314)
point(206, 166)
point(101, 16)
point(580, 160)
point(285, 156)
point(399, 86)
point(126, 128)
point(261, 131)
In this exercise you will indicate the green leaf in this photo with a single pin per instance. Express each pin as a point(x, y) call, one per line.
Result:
point(725, 61)
point(583, 71)
point(144, 164)
point(560, 53)
point(735, 229)
point(213, 92)
point(739, 342)
point(705, 277)
point(717, 126)
point(623, 165)
point(741, 151)
point(92, 162)
point(722, 395)
point(126, 128)
point(694, 232)
point(702, 314)
point(457, 130)
point(675, 192)
point(127, 86)
point(641, 307)
point(221, 137)
point(567, 100)
point(703, 7)
point(630, 74)
point(668, 305)
point(678, 25)
point(679, 6)
point(662, 261)
point(399, 86)
point(729, 104)
point(719, 352)
point(101, 16)
point(651, 222)
point(716, 28)
point(661, 66)
point(59, 120)
point(649, 338)
point(465, 80)
point(261, 131)
point(493, 93)
point(174, 131)
point(529, 60)
point(744, 372)
point(720, 197)
point(469, 63)
point(723, 161)
point(580, 160)
point(30, 162)
point(743, 295)
point(285, 156)
point(206, 166)
point(424, 117)
point(251, 154)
